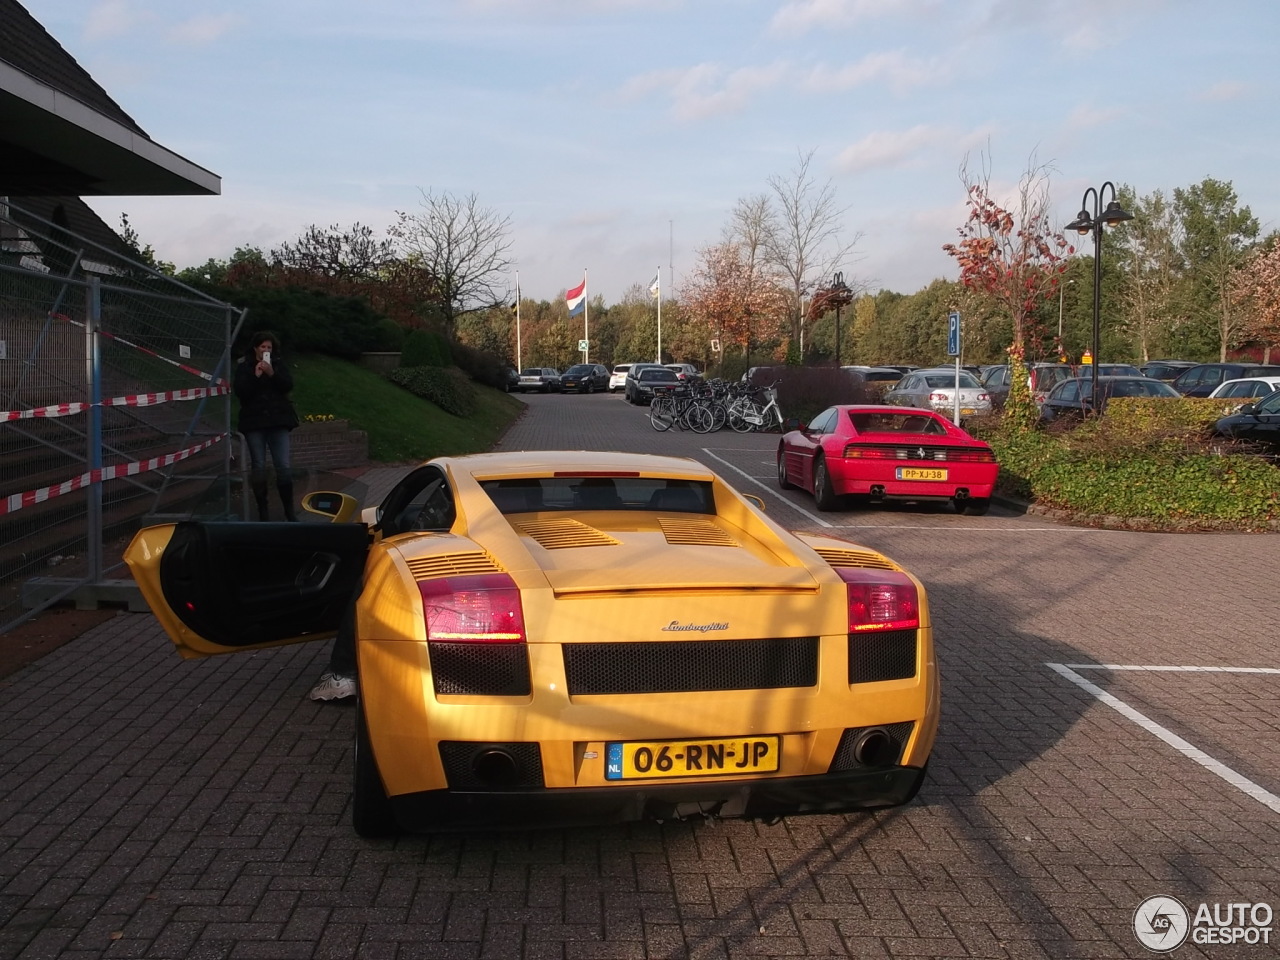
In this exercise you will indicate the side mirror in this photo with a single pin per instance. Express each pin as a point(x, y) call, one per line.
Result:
point(338, 507)
point(756, 501)
point(1249, 408)
point(794, 423)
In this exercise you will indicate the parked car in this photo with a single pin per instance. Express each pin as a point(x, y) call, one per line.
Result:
point(585, 378)
point(1202, 379)
point(1255, 423)
point(1073, 399)
point(512, 379)
point(935, 389)
point(1165, 369)
point(887, 453)
point(542, 379)
point(876, 374)
point(618, 378)
point(1108, 370)
point(644, 377)
point(489, 695)
point(685, 371)
point(1041, 378)
point(1244, 390)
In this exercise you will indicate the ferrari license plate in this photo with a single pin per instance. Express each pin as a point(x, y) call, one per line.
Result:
point(638, 760)
point(921, 473)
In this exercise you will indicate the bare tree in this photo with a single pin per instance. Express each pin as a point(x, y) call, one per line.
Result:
point(351, 254)
point(751, 226)
point(463, 246)
point(804, 240)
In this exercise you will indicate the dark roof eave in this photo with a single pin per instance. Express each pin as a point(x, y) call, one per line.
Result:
point(48, 129)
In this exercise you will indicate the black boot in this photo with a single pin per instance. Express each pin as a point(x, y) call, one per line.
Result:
point(259, 483)
point(286, 497)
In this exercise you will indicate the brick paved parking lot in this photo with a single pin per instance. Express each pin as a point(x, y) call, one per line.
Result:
point(155, 807)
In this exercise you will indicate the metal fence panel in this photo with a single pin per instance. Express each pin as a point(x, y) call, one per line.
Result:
point(114, 406)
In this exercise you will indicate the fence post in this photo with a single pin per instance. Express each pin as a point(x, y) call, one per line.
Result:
point(93, 317)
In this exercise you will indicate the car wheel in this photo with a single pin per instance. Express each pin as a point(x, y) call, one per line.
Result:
point(977, 506)
point(591, 388)
point(783, 482)
point(823, 495)
point(371, 813)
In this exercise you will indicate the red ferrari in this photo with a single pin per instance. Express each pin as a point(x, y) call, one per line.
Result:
point(887, 453)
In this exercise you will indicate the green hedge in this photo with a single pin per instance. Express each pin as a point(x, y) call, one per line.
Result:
point(447, 387)
point(1147, 460)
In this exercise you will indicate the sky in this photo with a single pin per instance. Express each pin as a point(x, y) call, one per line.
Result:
point(618, 135)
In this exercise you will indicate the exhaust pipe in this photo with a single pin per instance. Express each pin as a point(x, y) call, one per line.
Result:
point(962, 493)
point(877, 490)
point(495, 768)
point(874, 748)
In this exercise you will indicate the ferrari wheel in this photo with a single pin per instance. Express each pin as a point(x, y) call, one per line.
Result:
point(783, 482)
point(823, 495)
point(977, 506)
point(371, 814)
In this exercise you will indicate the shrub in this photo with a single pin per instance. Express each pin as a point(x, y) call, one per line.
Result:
point(311, 322)
point(447, 387)
point(425, 348)
point(482, 367)
point(804, 392)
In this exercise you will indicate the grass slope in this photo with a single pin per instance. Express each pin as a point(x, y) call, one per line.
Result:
point(401, 426)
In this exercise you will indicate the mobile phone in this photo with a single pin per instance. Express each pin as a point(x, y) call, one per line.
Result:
point(266, 356)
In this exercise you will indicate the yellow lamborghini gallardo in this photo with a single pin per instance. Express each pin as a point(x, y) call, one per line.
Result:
point(553, 638)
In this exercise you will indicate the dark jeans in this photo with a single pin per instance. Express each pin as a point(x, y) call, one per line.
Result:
point(277, 441)
point(342, 658)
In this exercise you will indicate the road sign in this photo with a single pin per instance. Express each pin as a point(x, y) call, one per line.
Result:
point(953, 333)
point(715, 344)
point(583, 345)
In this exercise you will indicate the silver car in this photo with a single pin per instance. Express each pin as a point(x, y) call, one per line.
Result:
point(935, 389)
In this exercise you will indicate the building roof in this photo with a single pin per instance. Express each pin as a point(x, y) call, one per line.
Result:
point(61, 134)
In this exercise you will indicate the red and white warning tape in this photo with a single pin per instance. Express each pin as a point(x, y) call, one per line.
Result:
point(17, 501)
point(134, 400)
point(151, 353)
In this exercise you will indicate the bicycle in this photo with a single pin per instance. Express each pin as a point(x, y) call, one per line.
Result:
point(676, 406)
point(746, 414)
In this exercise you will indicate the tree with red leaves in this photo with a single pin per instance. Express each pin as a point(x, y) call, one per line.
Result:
point(1254, 288)
point(1012, 256)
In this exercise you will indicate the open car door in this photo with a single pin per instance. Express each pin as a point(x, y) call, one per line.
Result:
point(223, 587)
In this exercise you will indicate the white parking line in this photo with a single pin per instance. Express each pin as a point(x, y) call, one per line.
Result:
point(1169, 669)
point(1237, 780)
point(884, 526)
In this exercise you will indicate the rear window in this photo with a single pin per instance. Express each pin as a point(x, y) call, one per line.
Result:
point(897, 423)
point(529, 494)
point(949, 380)
point(658, 373)
point(622, 368)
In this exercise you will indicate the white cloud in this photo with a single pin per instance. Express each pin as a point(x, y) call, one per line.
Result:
point(886, 149)
point(111, 18)
point(1087, 116)
point(1224, 91)
point(707, 89)
point(801, 16)
point(892, 68)
point(199, 31)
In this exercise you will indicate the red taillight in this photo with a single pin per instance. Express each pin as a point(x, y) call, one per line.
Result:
point(938, 398)
point(475, 609)
point(880, 600)
point(971, 456)
point(870, 453)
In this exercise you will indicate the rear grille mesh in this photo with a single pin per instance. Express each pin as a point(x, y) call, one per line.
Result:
point(480, 669)
point(687, 666)
point(890, 655)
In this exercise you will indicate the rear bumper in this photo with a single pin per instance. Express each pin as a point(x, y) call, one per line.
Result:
point(445, 810)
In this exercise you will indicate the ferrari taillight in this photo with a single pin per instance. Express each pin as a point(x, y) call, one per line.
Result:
point(880, 599)
point(971, 456)
point(473, 609)
point(870, 453)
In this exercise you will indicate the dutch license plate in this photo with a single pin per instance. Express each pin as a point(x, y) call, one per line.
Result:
point(691, 758)
point(967, 411)
point(921, 473)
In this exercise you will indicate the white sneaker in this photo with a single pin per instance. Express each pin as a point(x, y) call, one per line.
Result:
point(333, 686)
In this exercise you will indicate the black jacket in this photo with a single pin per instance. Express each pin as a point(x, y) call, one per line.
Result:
point(264, 401)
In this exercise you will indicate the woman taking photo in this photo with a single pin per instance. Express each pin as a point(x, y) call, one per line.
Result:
point(262, 385)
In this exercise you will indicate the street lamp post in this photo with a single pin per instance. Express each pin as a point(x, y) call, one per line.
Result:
point(1087, 222)
point(1061, 289)
point(839, 292)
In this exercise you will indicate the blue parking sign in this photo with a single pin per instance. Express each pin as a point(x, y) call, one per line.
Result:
point(953, 333)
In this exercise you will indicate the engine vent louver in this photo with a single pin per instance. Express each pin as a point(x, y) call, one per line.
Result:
point(563, 532)
point(695, 532)
point(453, 565)
point(841, 557)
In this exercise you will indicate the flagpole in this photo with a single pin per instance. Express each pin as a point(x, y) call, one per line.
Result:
point(659, 313)
point(519, 355)
point(586, 313)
